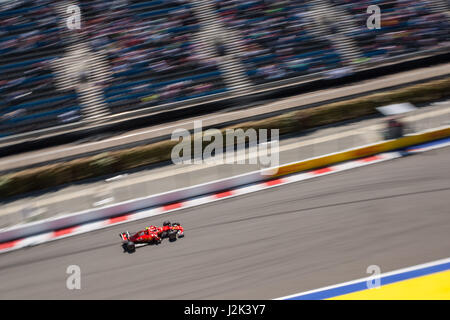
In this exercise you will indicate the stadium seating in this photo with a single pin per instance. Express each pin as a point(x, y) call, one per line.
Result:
point(407, 26)
point(29, 41)
point(151, 52)
point(278, 43)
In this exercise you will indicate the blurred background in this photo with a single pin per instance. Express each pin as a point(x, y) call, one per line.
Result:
point(72, 98)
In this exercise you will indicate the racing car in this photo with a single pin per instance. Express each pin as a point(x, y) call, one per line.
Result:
point(151, 235)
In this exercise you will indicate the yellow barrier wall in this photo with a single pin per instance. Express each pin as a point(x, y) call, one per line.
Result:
point(363, 152)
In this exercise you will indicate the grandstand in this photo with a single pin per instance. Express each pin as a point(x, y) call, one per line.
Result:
point(406, 27)
point(143, 54)
point(151, 53)
point(278, 42)
point(30, 39)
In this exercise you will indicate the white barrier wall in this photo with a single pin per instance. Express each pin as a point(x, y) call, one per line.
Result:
point(128, 206)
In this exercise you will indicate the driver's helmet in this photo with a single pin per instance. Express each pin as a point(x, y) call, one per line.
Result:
point(166, 223)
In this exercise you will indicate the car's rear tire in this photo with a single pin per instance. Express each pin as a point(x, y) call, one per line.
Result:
point(130, 246)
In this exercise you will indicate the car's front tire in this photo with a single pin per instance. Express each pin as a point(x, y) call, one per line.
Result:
point(172, 236)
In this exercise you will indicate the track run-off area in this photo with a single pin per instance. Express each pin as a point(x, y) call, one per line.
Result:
point(264, 245)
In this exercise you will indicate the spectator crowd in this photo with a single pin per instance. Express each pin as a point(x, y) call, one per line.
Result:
point(278, 38)
point(29, 41)
point(407, 26)
point(151, 52)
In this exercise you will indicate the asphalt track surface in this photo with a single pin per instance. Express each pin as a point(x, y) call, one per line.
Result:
point(268, 244)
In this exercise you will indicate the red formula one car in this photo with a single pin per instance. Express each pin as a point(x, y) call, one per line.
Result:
point(151, 235)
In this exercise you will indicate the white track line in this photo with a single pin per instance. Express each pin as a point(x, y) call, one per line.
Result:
point(369, 278)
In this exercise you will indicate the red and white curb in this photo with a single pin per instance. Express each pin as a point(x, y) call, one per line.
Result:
point(67, 232)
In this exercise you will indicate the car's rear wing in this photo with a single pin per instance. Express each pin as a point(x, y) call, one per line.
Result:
point(125, 236)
